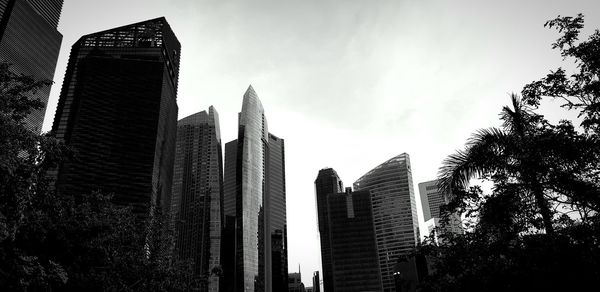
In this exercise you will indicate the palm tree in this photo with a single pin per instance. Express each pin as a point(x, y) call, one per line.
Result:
point(511, 154)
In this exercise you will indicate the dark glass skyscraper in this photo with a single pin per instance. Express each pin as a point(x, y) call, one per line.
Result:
point(327, 182)
point(118, 110)
point(394, 212)
point(197, 194)
point(352, 238)
point(276, 212)
point(30, 42)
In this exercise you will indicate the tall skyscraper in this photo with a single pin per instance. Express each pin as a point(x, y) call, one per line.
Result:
point(276, 212)
point(247, 202)
point(327, 182)
point(431, 200)
point(394, 212)
point(118, 110)
point(353, 246)
point(30, 41)
point(197, 194)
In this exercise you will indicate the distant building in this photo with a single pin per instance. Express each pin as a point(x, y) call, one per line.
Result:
point(197, 195)
point(353, 246)
point(117, 109)
point(295, 282)
point(394, 212)
point(432, 199)
point(316, 282)
point(30, 41)
point(327, 182)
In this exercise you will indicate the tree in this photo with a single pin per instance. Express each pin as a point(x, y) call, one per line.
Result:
point(536, 168)
point(50, 241)
point(515, 158)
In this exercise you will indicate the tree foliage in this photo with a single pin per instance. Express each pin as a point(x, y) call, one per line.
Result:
point(539, 227)
point(53, 242)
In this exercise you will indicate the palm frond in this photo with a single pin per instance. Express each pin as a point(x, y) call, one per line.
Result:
point(483, 154)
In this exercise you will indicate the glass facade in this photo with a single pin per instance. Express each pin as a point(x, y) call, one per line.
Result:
point(118, 110)
point(276, 201)
point(352, 238)
point(197, 194)
point(30, 41)
point(327, 182)
point(250, 210)
point(394, 212)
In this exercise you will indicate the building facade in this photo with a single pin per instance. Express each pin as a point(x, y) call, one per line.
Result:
point(30, 41)
point(327, 182)
point(276, 215)
point(295, 283)
point(197, 196)
point(432, 199)
point(353, 245)
point(394, 212)
point(255, 253)
point(117, 109)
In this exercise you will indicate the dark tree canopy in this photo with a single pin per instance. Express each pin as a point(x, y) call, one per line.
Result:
point(539, 227)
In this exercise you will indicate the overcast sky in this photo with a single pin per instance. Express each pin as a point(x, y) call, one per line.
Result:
point(347, 84)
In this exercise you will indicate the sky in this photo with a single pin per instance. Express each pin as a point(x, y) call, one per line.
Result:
point(347, 83)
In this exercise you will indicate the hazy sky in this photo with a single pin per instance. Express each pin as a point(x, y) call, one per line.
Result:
point(347, 84)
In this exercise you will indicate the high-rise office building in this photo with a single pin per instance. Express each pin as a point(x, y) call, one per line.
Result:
point(276, 212)
point(327, 182)
point(197, 196)
point(30, 41)
point(431, 201)
point(353, 245)
point(118, 111)
point(394, 212)
point(246, 202)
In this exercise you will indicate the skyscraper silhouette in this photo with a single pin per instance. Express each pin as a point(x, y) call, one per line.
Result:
point(197, 195)
point(353, 246)
point(118, 111)
point(30, 41)
point(276, 212)
point(327, 182)
point(394, 212)
point(255, 233)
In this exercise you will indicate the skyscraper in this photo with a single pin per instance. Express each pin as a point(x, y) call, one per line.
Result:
point(276, 212)
point(353, 246)
point(197, 194)
point(327, 182)
point(431, 200)
point(118, 110)
point(394, 212)
point(251, 270)
point(30, 41)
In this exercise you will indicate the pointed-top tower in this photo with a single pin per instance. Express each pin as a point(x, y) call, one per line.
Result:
point(118, 110)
